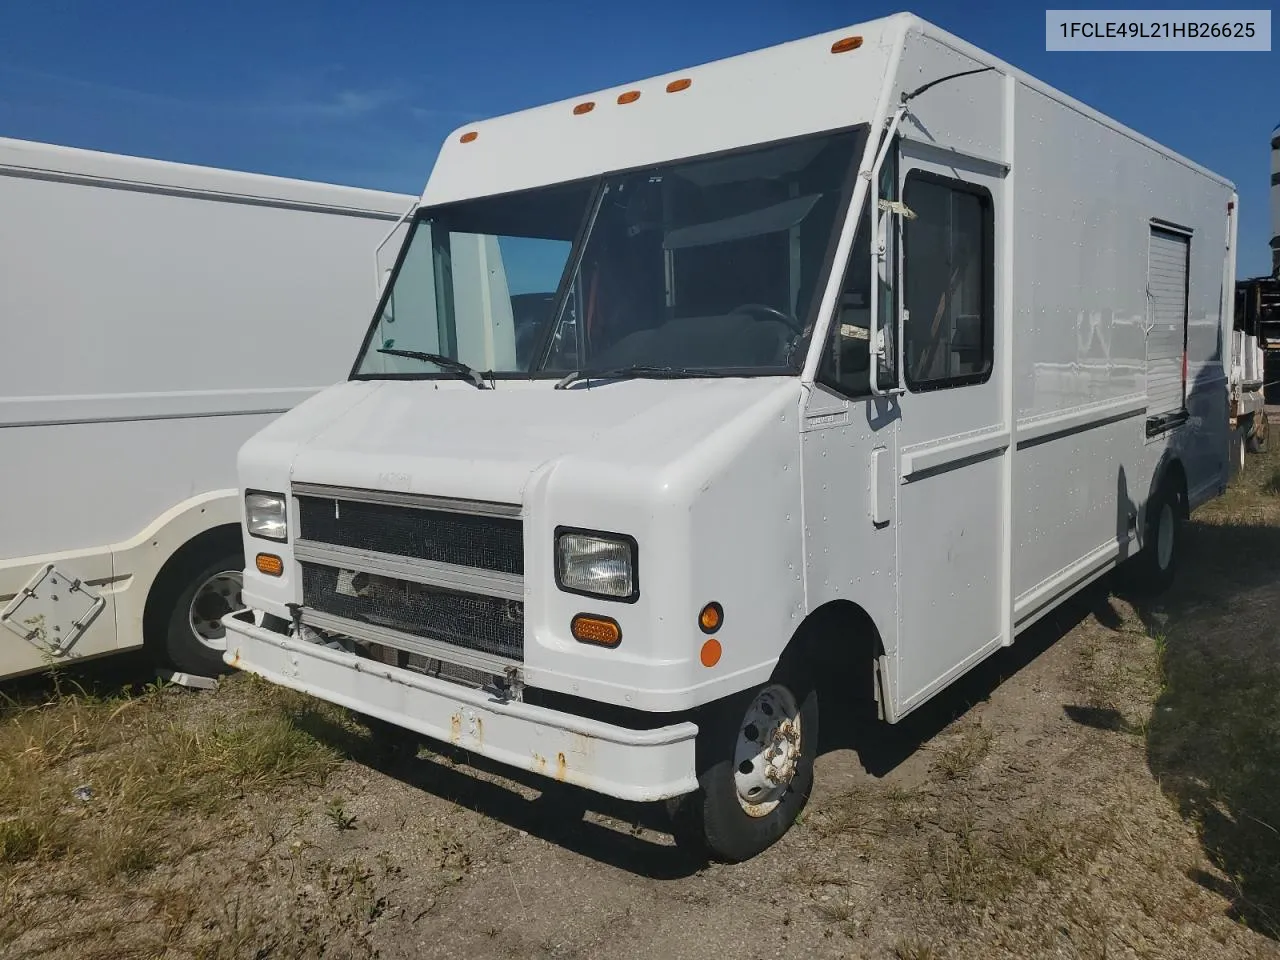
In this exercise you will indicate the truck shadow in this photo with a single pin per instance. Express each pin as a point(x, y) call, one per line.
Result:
point(882, 747)
point(633, 836)
point(614, 832)
point(1213, 741)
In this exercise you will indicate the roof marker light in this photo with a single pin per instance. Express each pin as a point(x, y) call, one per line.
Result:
point(468, 136)
point(847, 44)
point(631, 96)
point(586, 106)
point(675, 86)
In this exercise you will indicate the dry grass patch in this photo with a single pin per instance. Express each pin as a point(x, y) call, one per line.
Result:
point(97, 791)
point(1214, 741)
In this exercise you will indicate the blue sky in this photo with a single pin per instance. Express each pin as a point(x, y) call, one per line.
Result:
point(363, 93)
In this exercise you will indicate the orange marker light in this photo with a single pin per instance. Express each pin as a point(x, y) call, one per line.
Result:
point(847, 44)
point(468, 136)
point(710, 654)
point(711, 617)
point(675, 86)
point(585, 107)
point(631, 96)
point(269, 564)
point(601, 631)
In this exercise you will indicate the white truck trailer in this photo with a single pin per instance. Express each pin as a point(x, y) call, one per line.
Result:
point(854, 357)
point(154, 316)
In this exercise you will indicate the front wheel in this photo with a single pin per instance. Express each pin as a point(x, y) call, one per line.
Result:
point(756, 754)
point(197, 596)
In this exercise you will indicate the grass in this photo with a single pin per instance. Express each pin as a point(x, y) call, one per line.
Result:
point(100, 789)
point(1158, 812)
point(962, 754)
point(1214, 740)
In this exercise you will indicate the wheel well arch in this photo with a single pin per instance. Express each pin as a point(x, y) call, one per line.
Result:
point(203, 546)
point(837, 640)
point(1171, 471)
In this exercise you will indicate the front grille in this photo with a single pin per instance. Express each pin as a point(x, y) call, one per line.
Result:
point(358, 581)
point(489, 624)
point(467, 540)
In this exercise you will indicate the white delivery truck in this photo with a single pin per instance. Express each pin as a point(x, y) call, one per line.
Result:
point(154, 316)
point(850, 359)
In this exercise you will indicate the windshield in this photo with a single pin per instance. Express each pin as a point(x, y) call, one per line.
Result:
point(708, 265)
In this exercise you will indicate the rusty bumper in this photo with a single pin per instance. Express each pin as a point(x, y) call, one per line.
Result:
point(620, 762)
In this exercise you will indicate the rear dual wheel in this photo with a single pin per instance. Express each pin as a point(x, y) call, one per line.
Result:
point(1153, 569)
point(755, 757)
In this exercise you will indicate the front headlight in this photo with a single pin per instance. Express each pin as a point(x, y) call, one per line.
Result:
point(597, 564)
point(265, 515)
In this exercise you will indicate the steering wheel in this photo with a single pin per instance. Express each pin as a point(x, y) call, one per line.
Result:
point(794, 325)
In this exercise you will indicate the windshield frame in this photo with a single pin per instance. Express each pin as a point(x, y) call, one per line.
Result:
point(538, 370)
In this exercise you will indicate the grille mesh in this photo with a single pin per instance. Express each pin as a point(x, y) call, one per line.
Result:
point(488, 624)
point(488, 543)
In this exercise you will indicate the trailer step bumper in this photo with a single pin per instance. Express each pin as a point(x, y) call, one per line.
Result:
point(640, 765)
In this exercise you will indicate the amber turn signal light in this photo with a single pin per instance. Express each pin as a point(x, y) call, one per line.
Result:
point(711, 617)
point(269, 564)
point(602, 631)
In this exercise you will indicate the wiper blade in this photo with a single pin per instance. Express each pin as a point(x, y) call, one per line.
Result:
point(638, 372)
point(448, 364)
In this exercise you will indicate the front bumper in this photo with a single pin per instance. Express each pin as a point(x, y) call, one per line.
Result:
point(629, 764)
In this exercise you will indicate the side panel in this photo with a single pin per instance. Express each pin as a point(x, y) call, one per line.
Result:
point(121, 305)
point(851, 552)
point(147, 336)
point(1085, 200)
point(121, 573)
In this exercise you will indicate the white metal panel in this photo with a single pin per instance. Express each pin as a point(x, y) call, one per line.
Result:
point(771, 94)
point(687, 467)
point(849, 450)
point(1167, 262)
point(147, 334)
point(1086, 196)
point(45, 161)
point(951, 504)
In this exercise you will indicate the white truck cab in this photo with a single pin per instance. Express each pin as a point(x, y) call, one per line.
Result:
point(866, 345)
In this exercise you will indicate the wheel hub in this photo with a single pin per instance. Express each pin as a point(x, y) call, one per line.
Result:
point(213, 600)
point(768, 750)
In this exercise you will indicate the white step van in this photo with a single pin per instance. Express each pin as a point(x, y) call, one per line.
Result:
point(155, 316)
point(866, 349)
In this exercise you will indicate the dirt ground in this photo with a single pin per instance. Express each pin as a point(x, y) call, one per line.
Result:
point(1105, 788)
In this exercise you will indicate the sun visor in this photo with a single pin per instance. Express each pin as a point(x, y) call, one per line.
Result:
point(771, 219)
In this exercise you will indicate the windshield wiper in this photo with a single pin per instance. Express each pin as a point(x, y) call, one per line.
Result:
point(640, 371)
point(448, 364)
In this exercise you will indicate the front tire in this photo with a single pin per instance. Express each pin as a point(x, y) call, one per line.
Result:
point(756, 754)
point(197, 594)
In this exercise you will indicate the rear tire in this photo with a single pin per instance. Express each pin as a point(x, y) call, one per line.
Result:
point(1156, 564)
point(755, 757)
point(196, 595)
